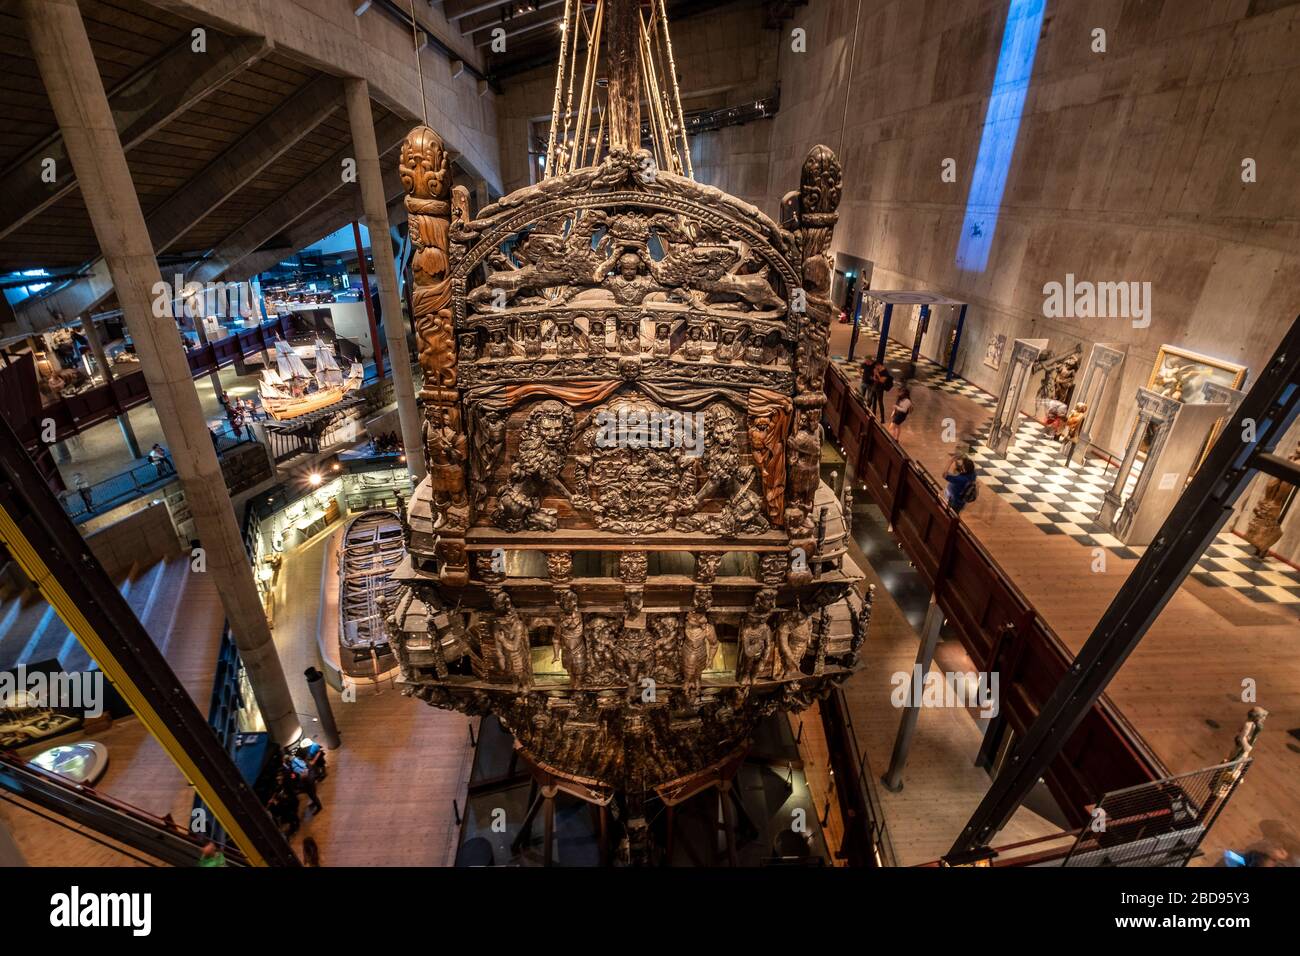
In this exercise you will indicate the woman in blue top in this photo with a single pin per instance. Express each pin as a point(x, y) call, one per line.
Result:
point(960, 477)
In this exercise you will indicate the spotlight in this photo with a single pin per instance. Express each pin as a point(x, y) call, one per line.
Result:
point(314, 479)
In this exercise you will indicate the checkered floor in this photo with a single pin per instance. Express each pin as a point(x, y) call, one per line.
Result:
point(1034, 479)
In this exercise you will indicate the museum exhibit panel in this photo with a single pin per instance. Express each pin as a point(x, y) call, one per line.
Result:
point(648, 433)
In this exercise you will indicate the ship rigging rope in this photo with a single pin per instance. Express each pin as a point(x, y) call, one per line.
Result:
point(559, 86)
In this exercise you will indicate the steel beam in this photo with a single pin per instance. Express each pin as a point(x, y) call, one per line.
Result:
point(1270, 407)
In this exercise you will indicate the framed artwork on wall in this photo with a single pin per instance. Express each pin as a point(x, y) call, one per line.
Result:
point(993, 351)
point(1179, 374)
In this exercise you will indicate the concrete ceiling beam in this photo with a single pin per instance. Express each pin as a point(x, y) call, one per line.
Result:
point(141, 104)
point(252, 153)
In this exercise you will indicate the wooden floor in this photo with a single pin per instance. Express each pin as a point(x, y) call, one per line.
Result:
point(941, 784)
point(1182, 687)
point(388, 797)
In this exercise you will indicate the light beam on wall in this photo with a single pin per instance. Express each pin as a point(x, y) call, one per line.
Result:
point(1001, 126)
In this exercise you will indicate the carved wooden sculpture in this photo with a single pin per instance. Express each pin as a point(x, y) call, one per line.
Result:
point(423, 167)
point(623, 371)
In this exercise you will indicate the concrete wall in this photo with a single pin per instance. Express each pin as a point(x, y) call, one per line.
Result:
point(1127, 167)
point(142, 538)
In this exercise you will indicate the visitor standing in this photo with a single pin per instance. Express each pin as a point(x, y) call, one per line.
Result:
point(868, 371)
point(962, 486)
point(158, 458)
point(902, 408)
point(83, 489)
point(881, 382)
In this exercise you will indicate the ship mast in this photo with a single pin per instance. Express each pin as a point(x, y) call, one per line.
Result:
point(615, 55)
point(623, 45)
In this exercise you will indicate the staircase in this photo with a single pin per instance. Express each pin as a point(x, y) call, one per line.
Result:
point(31, 631)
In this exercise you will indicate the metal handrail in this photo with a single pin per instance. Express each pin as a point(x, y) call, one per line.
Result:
point(139, 479)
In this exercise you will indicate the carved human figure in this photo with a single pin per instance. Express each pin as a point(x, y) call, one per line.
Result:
point(804, 453)
point(532, 341)
point(447, 450)
point(693, 348)
point(662, 345)
point(793, 636)
point(755, 644)
point(499, 345)
point(596, 336)
point(729, 347)
point(753, 350)
point(468, 347)
point(511, 639)
point(566, 343)
point(629, 337)
point(571, 640)
point(487, 445)
point(699, 643)
point(627, 283)
point(543, 445)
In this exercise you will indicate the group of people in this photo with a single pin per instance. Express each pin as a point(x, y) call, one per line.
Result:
point(877, 382)
point(239, 412)
point(299, 771)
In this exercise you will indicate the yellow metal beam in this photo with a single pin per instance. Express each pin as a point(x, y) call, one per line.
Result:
point(40, 575)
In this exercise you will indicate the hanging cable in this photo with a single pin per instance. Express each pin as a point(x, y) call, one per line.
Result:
point(419, 69)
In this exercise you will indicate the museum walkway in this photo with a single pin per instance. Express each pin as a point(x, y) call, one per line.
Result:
point(1182, 688)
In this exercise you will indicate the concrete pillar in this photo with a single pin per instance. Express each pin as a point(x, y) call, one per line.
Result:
point(76, 92)
point(930, 627)
point(376, 209)
point(101, 359)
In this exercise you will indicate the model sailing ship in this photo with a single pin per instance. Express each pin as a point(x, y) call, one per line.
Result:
point(623, 548)
point(291, 390)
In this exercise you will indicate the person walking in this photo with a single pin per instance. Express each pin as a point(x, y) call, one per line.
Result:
point(902, 408)
point(961, 482)
point(83, 488)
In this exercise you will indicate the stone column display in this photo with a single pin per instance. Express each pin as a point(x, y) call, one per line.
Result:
point(1006, 416)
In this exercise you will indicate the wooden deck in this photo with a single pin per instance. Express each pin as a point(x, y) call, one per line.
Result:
point(1182, 687)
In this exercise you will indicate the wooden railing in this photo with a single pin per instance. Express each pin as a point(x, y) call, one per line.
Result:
point(999, 628)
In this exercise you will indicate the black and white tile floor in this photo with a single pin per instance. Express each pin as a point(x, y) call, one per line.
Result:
point(1058, 499)
point(1034, 479)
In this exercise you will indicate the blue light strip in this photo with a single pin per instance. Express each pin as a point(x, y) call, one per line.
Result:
point(1001, 126)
